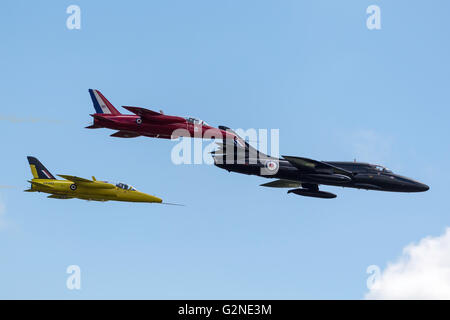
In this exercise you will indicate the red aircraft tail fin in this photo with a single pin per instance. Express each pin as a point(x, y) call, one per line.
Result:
point(101, 104)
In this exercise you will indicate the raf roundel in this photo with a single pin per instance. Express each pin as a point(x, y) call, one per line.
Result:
point(271, 165)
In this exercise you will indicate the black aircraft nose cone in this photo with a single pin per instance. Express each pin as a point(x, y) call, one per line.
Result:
point(421, 187)
point(417, 187)
point(409, 185)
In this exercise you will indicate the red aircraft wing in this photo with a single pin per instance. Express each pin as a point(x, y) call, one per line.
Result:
point(153, 116)
point(125, 134)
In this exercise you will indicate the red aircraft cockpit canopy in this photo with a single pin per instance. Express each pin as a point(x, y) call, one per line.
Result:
point(196, 121)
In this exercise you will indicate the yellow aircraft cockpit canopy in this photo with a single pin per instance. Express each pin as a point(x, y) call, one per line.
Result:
point(125, 186)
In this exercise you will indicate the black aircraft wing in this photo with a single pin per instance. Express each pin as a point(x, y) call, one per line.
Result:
point(315, 166)
point(282, 184)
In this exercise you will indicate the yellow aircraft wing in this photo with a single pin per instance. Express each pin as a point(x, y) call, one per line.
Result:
point(55, 196)
point(74, 178)
point(88, 183)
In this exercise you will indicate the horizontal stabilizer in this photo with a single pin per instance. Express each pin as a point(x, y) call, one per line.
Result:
point(38, 184)
point(125, 134)
point(282, 184)
point(29, 190)
point(102, 118)
point(93, 126)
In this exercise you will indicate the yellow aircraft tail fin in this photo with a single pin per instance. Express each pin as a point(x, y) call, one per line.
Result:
point(34, 171)
point(38, 170)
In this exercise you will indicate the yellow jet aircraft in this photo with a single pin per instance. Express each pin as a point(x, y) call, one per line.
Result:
point(75, 187)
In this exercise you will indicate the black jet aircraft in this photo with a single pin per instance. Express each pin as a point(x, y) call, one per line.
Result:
point(304, 175)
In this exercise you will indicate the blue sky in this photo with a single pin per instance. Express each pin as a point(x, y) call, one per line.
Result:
point(312, 69)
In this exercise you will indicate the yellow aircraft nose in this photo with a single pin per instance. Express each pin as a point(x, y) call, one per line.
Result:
point(150, 198)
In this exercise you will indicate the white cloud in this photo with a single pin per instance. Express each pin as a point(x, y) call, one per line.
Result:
point(422, 272)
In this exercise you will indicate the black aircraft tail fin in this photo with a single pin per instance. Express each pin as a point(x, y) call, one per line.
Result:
point(38, 170)
point(241, 146)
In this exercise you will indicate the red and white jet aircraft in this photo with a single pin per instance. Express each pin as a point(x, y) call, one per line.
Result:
point(149, 123)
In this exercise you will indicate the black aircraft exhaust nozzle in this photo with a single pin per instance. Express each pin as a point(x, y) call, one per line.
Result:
point(312, 193)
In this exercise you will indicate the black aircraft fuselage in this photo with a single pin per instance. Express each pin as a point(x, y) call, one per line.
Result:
point(305, 175)
point(364, 176)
